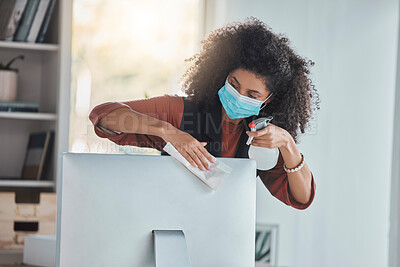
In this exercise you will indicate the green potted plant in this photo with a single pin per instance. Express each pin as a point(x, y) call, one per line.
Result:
point(8, 80)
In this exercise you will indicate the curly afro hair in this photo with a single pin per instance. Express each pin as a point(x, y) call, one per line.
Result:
point(252, 45)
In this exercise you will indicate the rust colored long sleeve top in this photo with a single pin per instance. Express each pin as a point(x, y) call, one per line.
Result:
point(170, 108)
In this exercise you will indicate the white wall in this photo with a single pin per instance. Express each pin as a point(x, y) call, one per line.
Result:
point(353, 44)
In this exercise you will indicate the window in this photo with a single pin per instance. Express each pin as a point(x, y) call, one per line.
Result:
point(124, 50)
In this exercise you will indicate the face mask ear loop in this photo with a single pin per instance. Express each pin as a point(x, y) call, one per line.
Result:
point(264, 103)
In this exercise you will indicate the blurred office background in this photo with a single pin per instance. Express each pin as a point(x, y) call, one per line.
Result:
point(352, 145)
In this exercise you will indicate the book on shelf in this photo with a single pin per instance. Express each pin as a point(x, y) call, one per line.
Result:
point(38, 20)
point(46, 22)
point(19, 107)
point(26, 20)
point(15, 18)
point(37, 155)
point(6, 10)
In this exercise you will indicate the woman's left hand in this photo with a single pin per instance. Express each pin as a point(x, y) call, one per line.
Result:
point(271, 136)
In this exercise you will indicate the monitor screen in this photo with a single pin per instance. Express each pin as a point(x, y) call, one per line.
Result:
point(108, 206)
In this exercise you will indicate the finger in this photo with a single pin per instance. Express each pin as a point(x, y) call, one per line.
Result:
point(196, 159)
point(259, 132)
point(202, 159)
point(187, 156)
point(207, 155)
point(251, 134)
point(263, 144)
point(264, 138)
point(203, 143)
point(259, 144)
point(265, 131)
point(256, 144)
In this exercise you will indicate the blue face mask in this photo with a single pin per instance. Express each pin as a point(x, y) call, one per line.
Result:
point(238, 106)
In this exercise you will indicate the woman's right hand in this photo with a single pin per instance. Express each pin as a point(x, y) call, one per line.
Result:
point(190, 148)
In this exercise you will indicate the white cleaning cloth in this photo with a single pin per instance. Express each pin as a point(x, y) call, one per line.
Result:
point(211, 178)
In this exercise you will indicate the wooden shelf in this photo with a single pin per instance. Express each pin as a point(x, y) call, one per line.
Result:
point(29, 46)
point(28, 116)
point(26, 183)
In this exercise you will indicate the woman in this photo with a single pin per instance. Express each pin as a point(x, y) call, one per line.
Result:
point(243, 71)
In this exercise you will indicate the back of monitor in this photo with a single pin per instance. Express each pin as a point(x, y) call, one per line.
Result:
point(109, 204)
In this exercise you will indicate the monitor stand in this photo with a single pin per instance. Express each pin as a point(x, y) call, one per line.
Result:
point(170, 248)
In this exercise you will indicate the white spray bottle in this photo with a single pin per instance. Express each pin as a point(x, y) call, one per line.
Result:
point(266, 158)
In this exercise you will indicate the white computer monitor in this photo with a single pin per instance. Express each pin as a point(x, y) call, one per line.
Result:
point(108, 206)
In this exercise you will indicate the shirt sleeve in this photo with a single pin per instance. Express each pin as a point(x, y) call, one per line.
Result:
point(167, 108)
point(277, 183)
